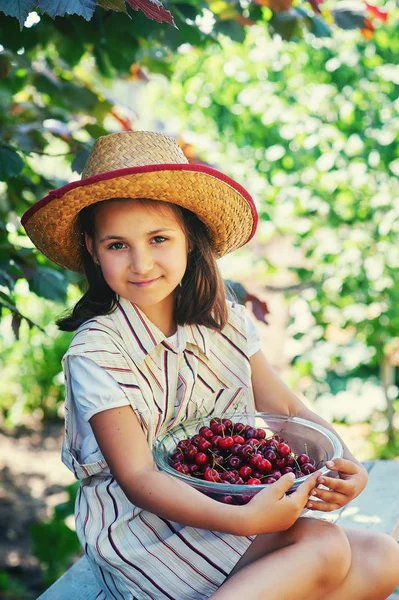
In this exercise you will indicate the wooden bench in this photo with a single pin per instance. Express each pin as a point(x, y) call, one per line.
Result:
point(376, 509)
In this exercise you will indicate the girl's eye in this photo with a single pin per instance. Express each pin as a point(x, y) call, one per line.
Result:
point(158, 239)
point(116, 246)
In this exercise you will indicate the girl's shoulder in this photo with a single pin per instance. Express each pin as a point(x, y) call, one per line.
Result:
point(97, 331)
point(236, 327)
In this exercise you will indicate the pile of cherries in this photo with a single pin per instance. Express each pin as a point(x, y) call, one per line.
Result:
point(234, 453)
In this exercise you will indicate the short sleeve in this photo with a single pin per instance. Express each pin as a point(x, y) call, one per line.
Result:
point(252, 336)
point(93, 389)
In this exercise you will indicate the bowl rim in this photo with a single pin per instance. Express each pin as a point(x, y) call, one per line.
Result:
point(233, 489)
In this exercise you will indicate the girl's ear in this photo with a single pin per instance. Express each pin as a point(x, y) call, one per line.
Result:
point(90, 246)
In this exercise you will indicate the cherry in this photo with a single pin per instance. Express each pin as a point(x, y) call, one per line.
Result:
point(303, 458)
point(270, 455)
point(254, 481)
point(177, 456)
point(238, 439)
point(254, 459)
point(290, 461)
point(245, 451)
point(260, 434)
point(204, 445)
point(211, 475)
point(280, 463)
point(229, 477)
point(264, 465)
point(195, 470)
point(268, 480)
point(308, 468)
point(227, 499)
point(206, 432)
point(228, 423)
point(234, 462)
point(250, 432)
point(201, 458)
point(253, 441)
point(276, 474)
point(226, 442)
point(245, 472)
point(215, 440)
point(239, 428)
point(287, 470)
point(183, 469)
point(190, 453)
point(283, 449)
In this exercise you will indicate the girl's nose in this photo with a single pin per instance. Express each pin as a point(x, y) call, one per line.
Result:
point(141, 262)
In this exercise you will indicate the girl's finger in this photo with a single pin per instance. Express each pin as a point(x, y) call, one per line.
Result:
point(339, 485)
point(322, 506)
point(343, 465)
point(330, 497)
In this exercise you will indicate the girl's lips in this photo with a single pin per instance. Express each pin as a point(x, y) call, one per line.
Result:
point(142, 284)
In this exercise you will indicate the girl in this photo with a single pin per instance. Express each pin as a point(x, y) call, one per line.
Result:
point(156, 344)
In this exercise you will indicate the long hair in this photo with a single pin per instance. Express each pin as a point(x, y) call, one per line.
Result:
point(200, 298)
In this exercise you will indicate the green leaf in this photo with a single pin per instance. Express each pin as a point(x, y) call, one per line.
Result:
point(18, 8)
point(232, 29)
point(116, 5)
point(319, 28)
point(7, 302)
point(49, 283)
point(11, 164)
point(60, 8)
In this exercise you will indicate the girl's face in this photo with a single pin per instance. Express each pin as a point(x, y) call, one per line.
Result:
point(142, 251)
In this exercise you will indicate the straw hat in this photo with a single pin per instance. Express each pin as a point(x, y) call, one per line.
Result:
point(141, 164)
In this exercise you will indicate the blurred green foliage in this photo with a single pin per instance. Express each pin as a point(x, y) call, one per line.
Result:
point(312, 131)
point(53, 543)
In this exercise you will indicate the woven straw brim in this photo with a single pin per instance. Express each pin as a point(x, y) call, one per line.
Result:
point(229, 216)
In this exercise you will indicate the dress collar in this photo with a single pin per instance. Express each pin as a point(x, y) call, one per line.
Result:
point(148, 336)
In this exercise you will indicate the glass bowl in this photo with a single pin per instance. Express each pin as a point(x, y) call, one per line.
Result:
point(303, 436)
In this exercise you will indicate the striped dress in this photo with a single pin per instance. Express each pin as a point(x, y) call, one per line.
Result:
point(134, 553)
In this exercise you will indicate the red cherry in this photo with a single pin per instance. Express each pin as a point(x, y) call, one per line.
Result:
point(183, 444)
point(264, 465)
point(268, 480)
point(283, 449)
point(276, 474)
point(201, 458)
point(271, 442)
point(229, 477)
point(255, 459)
point(254, 481)
point(211, 475)
point(245, 472)
point(245, 451)
point(253, 441)
point(250, 432)
point(225, 442)
point(270, 455)
point(227, 499)
point(215, 440)
point(260, 434)
point(308, 468)
point(239, 428)
point(204, 445)
point(194, 470)
point(280, 463)
point(206, 432)
point(240, 481)
point(177, 456)
point(238, 439)
point(234, 462)
point(227, 423)
point(287, 470)
point(290, 461)
point(190, 453)
point(303, 458)
point(183, 469)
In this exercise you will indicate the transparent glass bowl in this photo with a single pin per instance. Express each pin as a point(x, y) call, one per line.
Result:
point(303, 436)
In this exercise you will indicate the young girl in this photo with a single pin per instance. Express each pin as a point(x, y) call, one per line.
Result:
point(157, 344)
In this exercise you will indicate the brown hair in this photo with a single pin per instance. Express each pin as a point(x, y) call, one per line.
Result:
point(201, 298)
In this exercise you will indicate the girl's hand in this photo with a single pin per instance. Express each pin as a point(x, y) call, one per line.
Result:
point(273, 510)
point(351, 481)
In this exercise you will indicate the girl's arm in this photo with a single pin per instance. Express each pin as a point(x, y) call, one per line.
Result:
point(124, 447)
point(273, 396)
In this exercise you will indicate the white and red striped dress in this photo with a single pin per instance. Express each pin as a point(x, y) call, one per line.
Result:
point(121, 359)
